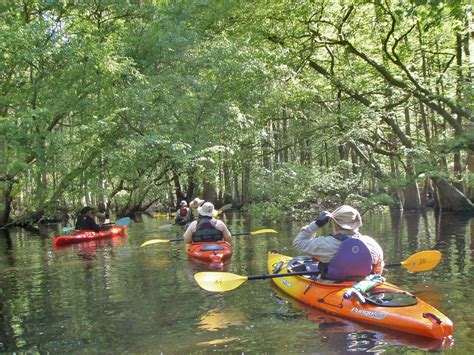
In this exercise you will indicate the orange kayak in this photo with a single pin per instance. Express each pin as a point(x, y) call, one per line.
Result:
point(79, 236)
point(210, 252)
point(419, 318)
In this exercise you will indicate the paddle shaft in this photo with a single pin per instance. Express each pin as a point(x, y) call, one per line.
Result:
point(273, 276)
point(241, 233)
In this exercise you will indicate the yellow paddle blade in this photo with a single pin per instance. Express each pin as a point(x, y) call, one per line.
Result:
point(219, 281)
point(222, 209)
point(422, 261)
point(154, 241)
point(263, 231)
point(164, 215)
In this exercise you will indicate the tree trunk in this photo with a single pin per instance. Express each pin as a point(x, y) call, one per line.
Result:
point(177, 188)
point(276, 144)
point(457, 159)
point(191, 185)
point(450, 198)
point(7, 203)
point(209, 192)
point(411, 198)
point(470, 167)
point(245, 182)
point(284, 152)
point(227, 181)
point(395, 191)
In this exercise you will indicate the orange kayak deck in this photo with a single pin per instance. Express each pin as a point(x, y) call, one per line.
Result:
point(210, 252)
point(420, 319)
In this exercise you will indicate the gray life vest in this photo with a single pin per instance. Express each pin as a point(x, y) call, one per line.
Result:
point(206, 230)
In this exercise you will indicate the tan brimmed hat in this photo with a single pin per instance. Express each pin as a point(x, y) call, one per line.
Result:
point(347, 217)
point(196, 203)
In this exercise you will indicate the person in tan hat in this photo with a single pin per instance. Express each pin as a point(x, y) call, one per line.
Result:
point(206, 228)
point(194, 204)
point(346, 253)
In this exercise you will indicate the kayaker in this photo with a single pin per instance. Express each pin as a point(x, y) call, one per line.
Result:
point(86, 221)
point(206, 228)
point(183, 214)
point(346, 253)
point(194, 204)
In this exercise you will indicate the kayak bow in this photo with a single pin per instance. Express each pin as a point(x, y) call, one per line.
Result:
point(210, 252)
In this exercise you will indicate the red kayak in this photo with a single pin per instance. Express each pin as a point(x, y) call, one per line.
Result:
point(211, 252)
point(78, 236)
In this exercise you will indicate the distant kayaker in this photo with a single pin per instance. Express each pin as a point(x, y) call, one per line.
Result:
point(194, 204)
point(86, 221)
point(183, 214)
point(346, 254)
point(206, 228)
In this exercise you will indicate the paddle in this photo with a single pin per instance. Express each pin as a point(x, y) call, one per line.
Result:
point(155, 241)
point(125, 221)
point(226, 281)
point(260, 231)
point(224, 208)
point(422, 261)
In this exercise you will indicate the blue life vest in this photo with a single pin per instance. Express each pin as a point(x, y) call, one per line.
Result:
point(352, 260)
point(206, 231)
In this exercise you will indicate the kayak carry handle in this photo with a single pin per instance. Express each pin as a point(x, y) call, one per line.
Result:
point(434, 316)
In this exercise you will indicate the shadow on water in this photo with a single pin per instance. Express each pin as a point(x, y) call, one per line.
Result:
point(7, 334)
point(7, 245)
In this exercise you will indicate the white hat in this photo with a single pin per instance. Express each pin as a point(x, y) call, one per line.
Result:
point(347, 217)
point(207, 209)
point(183, 203)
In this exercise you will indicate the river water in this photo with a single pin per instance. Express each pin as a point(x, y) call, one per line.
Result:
point(115, 297)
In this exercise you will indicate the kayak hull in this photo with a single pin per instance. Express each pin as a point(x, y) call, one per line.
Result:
point(210, 252)
point(420, 319)
point(78, 236)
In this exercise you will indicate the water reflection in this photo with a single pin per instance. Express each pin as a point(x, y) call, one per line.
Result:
point(5, 237)
point(89, 250)
point(218, 341)
point(219, 318)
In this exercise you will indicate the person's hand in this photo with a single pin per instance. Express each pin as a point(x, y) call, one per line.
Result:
point(322, 219)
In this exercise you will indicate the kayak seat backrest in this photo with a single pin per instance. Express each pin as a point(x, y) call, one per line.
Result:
point(212, 247)
point(352, 260)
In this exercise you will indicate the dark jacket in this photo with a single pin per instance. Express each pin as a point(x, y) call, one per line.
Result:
point(87, 223)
